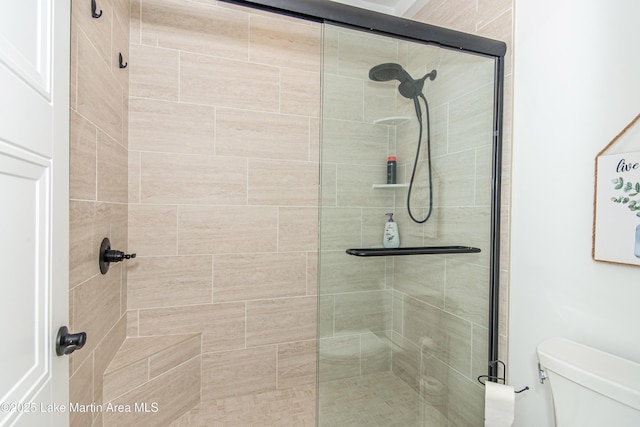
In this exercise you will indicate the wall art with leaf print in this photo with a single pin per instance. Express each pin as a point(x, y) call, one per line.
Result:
point(616, 230)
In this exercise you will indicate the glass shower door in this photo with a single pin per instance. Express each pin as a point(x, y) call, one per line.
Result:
point(402, 339)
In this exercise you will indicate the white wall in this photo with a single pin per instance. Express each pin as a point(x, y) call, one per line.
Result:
point(576, 86)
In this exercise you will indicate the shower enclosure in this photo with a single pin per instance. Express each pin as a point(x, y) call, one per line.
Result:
point(402, 339)
point(404, 334)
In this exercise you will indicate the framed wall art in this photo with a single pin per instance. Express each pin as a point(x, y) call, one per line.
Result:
point(616, 225)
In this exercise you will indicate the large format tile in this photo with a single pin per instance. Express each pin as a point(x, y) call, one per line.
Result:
point(239, 372)
point(104, 353)
point(467, 226)
point(256, 276)
point(467, 292)
point(222, 325)
point(343, 98)
point(293, 406)
point(380, 100)
point(479, 365)
point(466, 400)
point(374, 400)
point(284, 43)
point(375, 352)
point(340, 228)
point(423, 278)
point(98, 31)
point(354, 143)
point(119, 228)
point(155, 73)
point(99, 93)
point(406, 360)
point(355, 186)
point(82, 158)
point(471, 120)
point(121, 381)
point(170, 357)
point(341, 273)
point(338, 358)
point(454, 178)
point(312, 273)
point(96, 308)
point(363, 311)
point(465, 74)
point(175, 393)
point(89, 223)
point(81, 392)
point(300, 92)
point(358, 52)
point(161, 352)
point(297, 229)
point(326, 316)
point(171, 127)
point(134, 177)
point(153, 230)
point(229, 83)
point(226, 229)
point(281, 320)
point(283, 182)
point(297, 363)
point(188, 179)
point(446, 335)
point(257, 134)
point(135, 8)
point(120, 44)
point(169, 281)
point(113, 164)
point(196, 27)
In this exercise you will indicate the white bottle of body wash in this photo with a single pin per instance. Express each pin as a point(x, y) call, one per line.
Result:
point(391, 238)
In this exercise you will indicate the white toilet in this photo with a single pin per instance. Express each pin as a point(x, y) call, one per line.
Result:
point(590, 388)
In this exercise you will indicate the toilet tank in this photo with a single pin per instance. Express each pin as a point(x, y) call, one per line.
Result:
point(590, 388)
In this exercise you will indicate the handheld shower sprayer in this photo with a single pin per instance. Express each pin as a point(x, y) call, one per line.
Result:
point(409, 87)
point(412, 89)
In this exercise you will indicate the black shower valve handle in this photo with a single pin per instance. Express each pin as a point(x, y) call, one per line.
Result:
point(108, 255)
point(113, 255)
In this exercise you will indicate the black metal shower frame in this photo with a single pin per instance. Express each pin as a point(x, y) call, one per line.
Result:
point(326, 11)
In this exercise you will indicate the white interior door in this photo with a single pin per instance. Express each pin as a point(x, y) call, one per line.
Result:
point(34, 164)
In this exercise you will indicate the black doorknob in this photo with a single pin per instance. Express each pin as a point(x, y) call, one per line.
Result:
point(67, 343)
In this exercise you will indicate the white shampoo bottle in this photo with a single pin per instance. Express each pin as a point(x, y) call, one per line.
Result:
point(391, 237)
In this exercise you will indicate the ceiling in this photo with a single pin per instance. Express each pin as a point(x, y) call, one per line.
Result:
point(404, 8)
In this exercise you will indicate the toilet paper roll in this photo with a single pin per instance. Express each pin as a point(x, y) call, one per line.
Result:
point(499, 405)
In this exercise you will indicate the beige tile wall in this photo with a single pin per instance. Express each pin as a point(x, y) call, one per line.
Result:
point(223, 194)
point(98, 192)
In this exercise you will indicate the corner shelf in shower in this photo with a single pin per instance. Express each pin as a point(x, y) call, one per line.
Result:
point(421, 250)
point(390, 186)
point(393, 121)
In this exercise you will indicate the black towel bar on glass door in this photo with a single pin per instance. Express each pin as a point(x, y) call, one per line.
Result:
point(419, 250)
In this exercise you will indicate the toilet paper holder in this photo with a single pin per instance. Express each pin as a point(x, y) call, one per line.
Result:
point(497, 378)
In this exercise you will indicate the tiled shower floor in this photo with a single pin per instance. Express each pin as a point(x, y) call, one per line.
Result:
point(375, 400)
point(294, 407)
